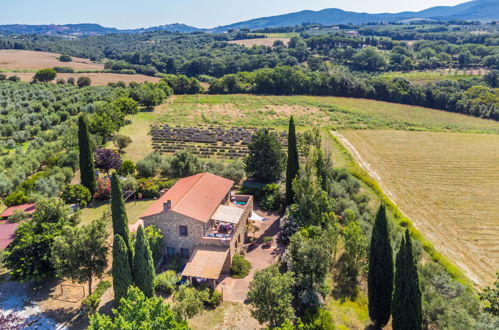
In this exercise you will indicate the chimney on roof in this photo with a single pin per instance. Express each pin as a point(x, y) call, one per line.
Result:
point(167, 206)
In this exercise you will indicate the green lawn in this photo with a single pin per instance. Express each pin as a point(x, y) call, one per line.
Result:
point(134, 209)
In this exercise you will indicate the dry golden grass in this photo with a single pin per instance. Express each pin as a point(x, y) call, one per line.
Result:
point(32, 60)
point(98, 79)
point(447, 184)
point(269, 42)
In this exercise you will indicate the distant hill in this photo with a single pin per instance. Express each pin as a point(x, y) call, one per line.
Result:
point(85, 29)
point(476, 10)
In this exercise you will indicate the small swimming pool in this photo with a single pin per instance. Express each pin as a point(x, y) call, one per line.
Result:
point(240, 203)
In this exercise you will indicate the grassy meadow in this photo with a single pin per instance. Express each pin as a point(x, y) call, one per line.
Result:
point(446, 183)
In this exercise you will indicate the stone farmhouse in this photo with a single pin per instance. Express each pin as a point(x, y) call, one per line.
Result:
point(204, 222)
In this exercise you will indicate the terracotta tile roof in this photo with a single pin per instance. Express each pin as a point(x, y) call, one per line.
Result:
point(28, 208)
point(7, 233)
point(196, 196)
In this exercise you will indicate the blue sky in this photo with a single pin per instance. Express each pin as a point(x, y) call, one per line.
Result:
point(200, 13)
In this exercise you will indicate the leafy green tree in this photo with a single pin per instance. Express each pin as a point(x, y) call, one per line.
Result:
point(87, 170)
point(355, 250)
point(380, 271)
point(121, 141)
point(127, 168)
point(122, 272)
point(143, 265)
point(83, 81)
point(119, 216)
point(490, 296)
point(407, 311)
point(80, 253)
point(311, 203)
point(187, 302)
point(185, 163)
point(271, 295)
point(293, 165)
point(136, 311)
point(370, 59)
point(106, 119)
point(156, 243)
point(29, 256)
point(45, 75)
point(76, 194)
point(126, 105)
point(266, 157)
point(310, 257)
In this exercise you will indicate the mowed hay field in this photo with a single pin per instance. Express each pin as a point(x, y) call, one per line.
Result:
point(98, 79)
point(32, 60)
point(269, 42)
point(446, 183)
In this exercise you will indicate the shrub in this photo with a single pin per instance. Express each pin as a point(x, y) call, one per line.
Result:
point(18, 216)
point(127, 168)
point(92, 302)
point(212, 298)
point(155, 238)
point(272, 198)
point(65, 58)
point(148, 188)
point(267, 240)
point(63, 69)
point(166, 281)
point(76, 194)
point(121, 141)
point(17, 197)
point(3, 76)
point(148, 166)
point(61, 81)
point(103, 189)
point(240, 267)
point(71, 81)
point(14, 78)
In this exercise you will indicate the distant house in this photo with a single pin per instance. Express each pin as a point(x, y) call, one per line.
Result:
point(26, 208)
point(7, 229)
point(202, 221)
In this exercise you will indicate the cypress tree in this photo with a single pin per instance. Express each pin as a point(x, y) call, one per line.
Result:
point(143, 265)
point(380, 273)
point(407, 306)
point(120, 219)
point(293, 165)
point(122, 274)
point(87, 170)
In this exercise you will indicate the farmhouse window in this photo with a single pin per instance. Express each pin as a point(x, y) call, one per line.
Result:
point(184, 253)
point(170, 251)
point(183, 230)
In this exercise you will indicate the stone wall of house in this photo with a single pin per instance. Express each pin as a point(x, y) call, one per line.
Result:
point(169, 223)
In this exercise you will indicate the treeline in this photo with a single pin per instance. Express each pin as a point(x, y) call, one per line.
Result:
point(211, 55)
point(472, 97)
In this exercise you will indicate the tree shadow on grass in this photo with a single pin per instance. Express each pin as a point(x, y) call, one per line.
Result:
point(345, 283)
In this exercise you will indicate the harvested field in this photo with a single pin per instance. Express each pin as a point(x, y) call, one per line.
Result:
point(32, 60)
point(269, 42)
point(446, 183)
point(98, 79)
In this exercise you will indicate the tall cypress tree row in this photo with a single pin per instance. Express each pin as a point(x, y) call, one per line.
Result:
point(380, 273)
point(120, 219)
point(122, 273)
point(143, 265)
point(407, 305)
point(293, 166)
point(87, 170)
